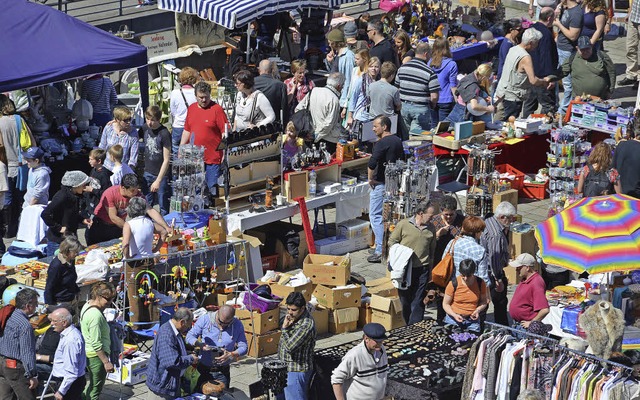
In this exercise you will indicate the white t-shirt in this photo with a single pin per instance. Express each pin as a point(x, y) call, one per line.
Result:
point(178, 108)
point(141, 243)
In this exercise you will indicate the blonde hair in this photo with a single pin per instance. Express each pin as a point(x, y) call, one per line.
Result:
point(98, 155)
point(116, 151)
point(290, 127)
point(484, 70)
point(297, 65)
point(120, 113)
point(153, 112)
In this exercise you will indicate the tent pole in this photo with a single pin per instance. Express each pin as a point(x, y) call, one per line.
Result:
point(306, 36)
point(143, 78)
point(248, 41)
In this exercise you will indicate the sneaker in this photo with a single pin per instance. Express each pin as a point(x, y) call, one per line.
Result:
point(371, 250)
point(375, 258)
point(627, 81)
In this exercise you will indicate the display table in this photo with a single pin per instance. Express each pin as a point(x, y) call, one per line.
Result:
point(473, 50)
point(350, 203)
point(411, 351)
point(527, 155)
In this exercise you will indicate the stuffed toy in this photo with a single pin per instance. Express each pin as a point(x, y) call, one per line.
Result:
point(604, 326)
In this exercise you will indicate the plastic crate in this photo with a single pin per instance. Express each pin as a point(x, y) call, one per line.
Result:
point(269, 263)
point(518, 182)
point(254, 302)
point(535, 190)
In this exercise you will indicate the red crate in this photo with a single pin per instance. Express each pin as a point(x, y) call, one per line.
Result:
point(535, 190)
point(269, 263)
point(518, 182)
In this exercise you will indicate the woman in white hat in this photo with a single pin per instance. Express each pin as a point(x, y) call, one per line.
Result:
point(62, 214)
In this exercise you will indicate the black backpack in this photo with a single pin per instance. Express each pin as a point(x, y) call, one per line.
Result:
point(597, 183)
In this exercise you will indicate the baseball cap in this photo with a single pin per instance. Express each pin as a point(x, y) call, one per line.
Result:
point(33, 153)
point(524, 259)
point(584, 42)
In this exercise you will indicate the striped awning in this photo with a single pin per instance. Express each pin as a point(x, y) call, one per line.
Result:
point(236, 13)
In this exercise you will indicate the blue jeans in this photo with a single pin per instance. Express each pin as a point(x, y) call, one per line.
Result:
point(564, 55)
point(459, 114)
point(176, 137)
point(212, 173)
point(468, 324)
point(376, 198)
point(297, 386)
point(161, 197)
point(442, 112)
point(417, 118)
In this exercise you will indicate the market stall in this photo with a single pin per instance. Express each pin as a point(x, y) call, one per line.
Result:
point(426, 361)
point(71, 48)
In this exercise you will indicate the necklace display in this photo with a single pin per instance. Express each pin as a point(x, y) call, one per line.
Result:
point(429, 357)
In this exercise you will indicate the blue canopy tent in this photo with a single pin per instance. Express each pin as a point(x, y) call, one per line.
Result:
point(41, 45)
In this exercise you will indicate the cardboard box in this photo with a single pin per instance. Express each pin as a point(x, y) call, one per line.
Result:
point(339, 246)
point(387, 311)
point(510, 195)
point(522, 243)
point(365, 315)
point(262, 322)
point(344, 320)
point(132, 370)
point(382, 287)
point(389, 321)
point(326, 269)
point(337, 298)
point(270, 235)
point(218, 230)
point(224, 297)
point(321, 317)
point(263, 345)
point(283, 290)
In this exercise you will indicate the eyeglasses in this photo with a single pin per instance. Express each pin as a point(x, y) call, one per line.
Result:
point(126, 121)
point(225, 323)
point(108, 299)
point(369, 30)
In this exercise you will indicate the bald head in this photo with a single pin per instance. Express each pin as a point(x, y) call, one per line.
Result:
point(61, 319)
point(226, 312)
point(264, 68)
point(547, 15)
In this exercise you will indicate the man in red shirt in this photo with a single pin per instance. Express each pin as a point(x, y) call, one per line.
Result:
point(207, 121)
point(111, 212)
point(529, 302)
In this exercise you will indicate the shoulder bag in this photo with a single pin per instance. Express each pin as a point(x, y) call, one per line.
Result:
point(442, 272)
point(302, 120)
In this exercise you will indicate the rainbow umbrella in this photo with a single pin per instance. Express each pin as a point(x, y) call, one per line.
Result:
point(598, 234)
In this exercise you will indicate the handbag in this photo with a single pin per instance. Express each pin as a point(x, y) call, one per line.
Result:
point(303, 122)
point(25, 138)
point(442, 273)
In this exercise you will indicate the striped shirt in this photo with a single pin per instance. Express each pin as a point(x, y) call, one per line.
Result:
point(494, 239)
point(19, 342)
point(417, 81)
point(363, 375)
point(129, 143)
point(100, 93)
point(466, 247)
point(634, 15)
point(297, 344)
point(70, 359)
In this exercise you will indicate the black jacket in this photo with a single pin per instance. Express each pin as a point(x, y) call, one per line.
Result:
point(63, 210)
point(276, 93)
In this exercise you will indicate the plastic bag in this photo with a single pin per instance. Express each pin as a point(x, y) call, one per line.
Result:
point(95, 267)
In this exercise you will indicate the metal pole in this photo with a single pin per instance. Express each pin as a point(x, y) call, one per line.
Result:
point(248, 41)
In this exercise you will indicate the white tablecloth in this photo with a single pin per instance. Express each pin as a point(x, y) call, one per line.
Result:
point(350, 202)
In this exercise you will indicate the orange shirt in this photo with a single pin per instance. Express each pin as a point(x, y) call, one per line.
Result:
point(465, 299)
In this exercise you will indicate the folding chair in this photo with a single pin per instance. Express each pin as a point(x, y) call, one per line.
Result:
point(142, 337)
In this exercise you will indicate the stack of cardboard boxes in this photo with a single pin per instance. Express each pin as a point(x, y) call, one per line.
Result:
point(383, 307)
point(331, 274)
point(262, 330)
